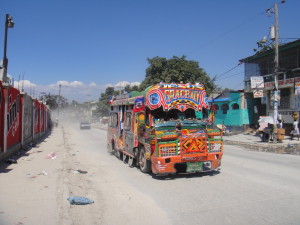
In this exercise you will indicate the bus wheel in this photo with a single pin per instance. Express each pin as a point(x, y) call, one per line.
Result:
point(131, 161)
point(110, 148)
point(125, 158)
point(145, 165)
point(119, 155)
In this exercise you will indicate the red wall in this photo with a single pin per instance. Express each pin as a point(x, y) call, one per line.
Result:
point(36, 119)
point(42, 118)
point(1, 118)
point(13, 117)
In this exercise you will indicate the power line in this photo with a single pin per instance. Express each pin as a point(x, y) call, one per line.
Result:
point(231, 75)
point(218, 76)
point(225, 33)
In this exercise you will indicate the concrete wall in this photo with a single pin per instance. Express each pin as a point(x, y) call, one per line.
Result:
point(28, 108)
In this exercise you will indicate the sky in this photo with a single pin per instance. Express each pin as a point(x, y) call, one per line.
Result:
point(88, 45)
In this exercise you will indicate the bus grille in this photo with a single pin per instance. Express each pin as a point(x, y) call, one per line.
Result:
point(193, 145)
point(168, 149)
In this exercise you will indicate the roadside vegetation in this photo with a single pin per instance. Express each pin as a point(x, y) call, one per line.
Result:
point(160, 69)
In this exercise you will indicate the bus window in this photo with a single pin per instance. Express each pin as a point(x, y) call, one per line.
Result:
point(113, 121)
point(127, 124)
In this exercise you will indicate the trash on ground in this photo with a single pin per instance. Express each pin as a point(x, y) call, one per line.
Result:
point(78, 200)
point(81, 171)
point(11, 161)
point(51, 155)
point(290, 146)
point(44, 173)
point(32, 144)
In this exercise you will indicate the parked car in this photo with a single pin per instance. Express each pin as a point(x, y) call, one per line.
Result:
point(85, 125)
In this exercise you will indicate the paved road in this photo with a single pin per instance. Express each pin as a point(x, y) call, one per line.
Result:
point(252, 188)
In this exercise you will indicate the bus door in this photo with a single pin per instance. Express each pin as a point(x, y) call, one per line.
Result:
point(128, 132)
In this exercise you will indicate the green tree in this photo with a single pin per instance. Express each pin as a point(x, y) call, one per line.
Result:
point(53, 101)
point(129, 88)
point(103, 105)
point(177, 70)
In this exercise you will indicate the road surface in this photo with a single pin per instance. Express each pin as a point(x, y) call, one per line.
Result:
point(251, 188)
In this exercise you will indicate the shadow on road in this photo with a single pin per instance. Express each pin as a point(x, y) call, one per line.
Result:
point(186, 175)
point(23, 152)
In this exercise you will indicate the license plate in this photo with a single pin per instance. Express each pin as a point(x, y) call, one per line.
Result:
point(194, 167)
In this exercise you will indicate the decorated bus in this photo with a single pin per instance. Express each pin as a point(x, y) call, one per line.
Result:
point(158, 131)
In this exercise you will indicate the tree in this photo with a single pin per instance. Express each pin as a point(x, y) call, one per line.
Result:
point(129, 88)
point(177, 70)
point(103, 105)
point(53, 101)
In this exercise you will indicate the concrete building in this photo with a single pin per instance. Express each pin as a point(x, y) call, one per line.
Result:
point(231, 109)
point(259, 82)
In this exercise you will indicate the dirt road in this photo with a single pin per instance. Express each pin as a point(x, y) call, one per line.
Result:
point(252, 188)
point(35, 190)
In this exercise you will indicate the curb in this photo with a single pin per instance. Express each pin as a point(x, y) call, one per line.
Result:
point(293, 149)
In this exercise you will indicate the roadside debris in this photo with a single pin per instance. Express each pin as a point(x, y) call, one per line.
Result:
point(43, 173)
point(51, 155)
point(32, 144)
point(80, 171)
point(291, 146)
point(11, 161)
point(78, 200)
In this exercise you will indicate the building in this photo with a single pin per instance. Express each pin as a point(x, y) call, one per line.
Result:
point(231, 109)
point(259, 82)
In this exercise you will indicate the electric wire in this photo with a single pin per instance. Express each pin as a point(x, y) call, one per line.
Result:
point(225, 33)
point(218, 76)
point(231, 75)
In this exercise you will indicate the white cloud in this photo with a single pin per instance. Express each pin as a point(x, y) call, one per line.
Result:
point(72, 90)
point(67, 84)
point(122, 84)
point(93, 84)
point(24, 84)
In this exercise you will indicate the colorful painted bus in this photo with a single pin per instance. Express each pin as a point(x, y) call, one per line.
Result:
point(158, 131)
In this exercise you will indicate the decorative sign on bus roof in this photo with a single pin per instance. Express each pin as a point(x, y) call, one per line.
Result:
point(126, 101)
point(177, 96)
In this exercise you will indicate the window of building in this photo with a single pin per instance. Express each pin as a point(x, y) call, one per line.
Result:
point(284, 94)
point(224, 108)
point(235, 106)
point(285, 98)
point(216, 108)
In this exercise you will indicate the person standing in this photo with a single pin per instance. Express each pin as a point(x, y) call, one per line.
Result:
point(295, 131)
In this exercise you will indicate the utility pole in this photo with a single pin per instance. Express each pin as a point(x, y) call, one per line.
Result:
point(9, 23)
point(276, 68)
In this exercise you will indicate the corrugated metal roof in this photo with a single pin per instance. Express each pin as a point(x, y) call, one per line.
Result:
point(270, 52)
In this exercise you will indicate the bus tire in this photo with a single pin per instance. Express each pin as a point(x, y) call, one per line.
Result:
point(145, 165)
point(110, 148)
point(119, 155)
